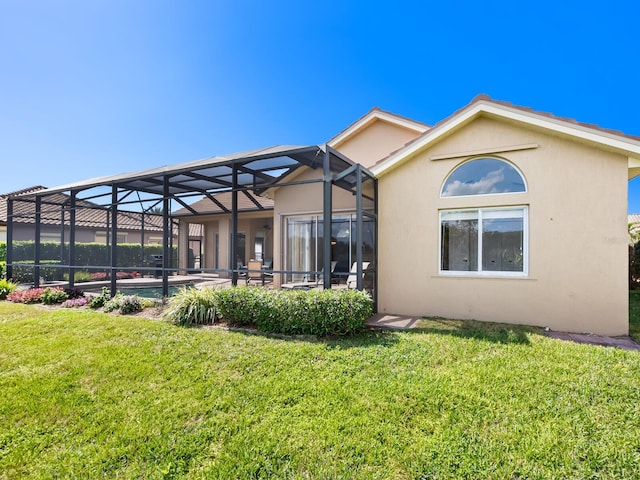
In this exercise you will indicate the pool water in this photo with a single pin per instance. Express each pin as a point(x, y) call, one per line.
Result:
point(152, 292)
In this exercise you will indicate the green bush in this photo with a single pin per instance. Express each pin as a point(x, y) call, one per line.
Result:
point(6, 287)
point(53, 295)
point(314, 312)
point(79, 276)
point(125, 304)
point(99, 300)
point(48, 272)
point(3, 267)
point(191, 306)
point(96, 254)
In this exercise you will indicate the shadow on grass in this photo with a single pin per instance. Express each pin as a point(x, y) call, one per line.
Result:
point(486, 331)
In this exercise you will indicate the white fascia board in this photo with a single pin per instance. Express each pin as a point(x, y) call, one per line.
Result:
point(578, 131)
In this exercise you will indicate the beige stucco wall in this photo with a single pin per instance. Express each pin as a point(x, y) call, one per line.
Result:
point(248, 223)
point(577, 199)
point(375, 142)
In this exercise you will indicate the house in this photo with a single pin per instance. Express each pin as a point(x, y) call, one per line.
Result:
point(92, 222)
point(497, 213)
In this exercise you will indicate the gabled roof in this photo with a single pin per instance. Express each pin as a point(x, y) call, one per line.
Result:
point(482, 105)
point(372, 116)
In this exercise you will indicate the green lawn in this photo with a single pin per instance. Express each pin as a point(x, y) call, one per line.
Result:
point(88, 395)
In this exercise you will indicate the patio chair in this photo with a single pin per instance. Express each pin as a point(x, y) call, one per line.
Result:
point(319, 278)
point(254, 271)
point(352, 279)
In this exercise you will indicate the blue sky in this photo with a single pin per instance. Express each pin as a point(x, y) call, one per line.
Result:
point(91, 88)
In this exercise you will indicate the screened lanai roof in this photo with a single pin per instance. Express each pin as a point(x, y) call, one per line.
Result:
point(257, 170)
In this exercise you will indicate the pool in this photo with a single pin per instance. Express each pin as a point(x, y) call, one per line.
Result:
point(150, 292)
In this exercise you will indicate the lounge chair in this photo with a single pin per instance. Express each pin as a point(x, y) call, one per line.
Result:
point(352, 279)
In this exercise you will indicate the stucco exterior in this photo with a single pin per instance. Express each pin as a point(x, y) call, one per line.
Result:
point(375, 141)
point(576, 198)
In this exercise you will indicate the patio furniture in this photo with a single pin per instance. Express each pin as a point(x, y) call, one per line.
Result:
point(352, 279)
point(254, 271)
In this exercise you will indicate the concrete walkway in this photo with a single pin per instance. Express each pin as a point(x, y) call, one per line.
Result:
point(625, 342)
point(387, 321)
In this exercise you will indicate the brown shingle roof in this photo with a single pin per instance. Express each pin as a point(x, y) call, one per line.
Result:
point(593, 126)
point(88, 214)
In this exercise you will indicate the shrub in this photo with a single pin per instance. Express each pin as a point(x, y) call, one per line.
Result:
point(48, 271)
point(74, 302)
point(53, 295)
point(26, 296)
point(6, 287)
point(3, 267)
point(190, 306)
point(314, 312)
point(130, 304)
point(99, 300)
point(74, 292)
point(124, 303)
point(79, 276)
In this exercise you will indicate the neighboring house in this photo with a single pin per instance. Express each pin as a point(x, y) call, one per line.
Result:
point(92, 222)
point(497, 213)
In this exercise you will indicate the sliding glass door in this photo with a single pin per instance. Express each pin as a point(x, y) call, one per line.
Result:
point(303, 245)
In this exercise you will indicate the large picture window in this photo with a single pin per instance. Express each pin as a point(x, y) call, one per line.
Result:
point(484, 241)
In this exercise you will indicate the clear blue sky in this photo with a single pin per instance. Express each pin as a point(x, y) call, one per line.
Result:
point(99, 87)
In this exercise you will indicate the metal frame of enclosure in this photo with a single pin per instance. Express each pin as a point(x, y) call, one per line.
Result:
point(140, 193)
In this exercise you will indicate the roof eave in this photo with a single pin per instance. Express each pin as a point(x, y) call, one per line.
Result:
point(621, 144)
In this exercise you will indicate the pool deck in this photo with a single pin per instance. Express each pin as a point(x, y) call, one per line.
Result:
point(145, 282)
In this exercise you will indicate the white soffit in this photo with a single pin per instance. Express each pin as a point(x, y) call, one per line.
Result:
point(607, 139)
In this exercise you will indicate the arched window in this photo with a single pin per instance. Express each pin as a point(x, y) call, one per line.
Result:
point(483, 176)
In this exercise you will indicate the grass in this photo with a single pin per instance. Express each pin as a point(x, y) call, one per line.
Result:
point(90, 395)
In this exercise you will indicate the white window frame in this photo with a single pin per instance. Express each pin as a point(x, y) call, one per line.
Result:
point(101, 237)
point(466, 213)
point(484, 157)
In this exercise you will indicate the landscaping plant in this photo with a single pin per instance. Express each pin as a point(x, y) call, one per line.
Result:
point(312, 312)
point(6, 287)
point(74, 302)
point(191, 306)
point(26, 296)
point(53, 295)
point(124, 304)
point(98, 301)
